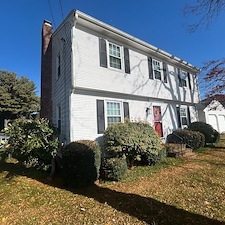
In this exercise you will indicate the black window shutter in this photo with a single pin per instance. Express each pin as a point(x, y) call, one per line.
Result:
point(127, 60)
point(165, 72)
point(150, 69)
point(100, 116)
point(126, 110)
point(178, 117)
point(189, 80)
point(188, 115)
point(102, 52)
point(179, 77)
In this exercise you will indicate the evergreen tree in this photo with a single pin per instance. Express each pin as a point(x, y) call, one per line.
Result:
point(17, 96)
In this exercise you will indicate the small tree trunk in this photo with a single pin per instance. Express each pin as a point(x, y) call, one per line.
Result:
point(53, 169)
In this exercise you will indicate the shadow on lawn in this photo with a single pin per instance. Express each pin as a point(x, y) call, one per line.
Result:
point(145, 209)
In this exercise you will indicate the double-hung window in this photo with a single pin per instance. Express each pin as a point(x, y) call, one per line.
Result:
point(113, 111)
point(110, 112)
point(158, 70)
point(114, 56)
point(183, 116)
point(58, 65)
point(59, 115)
point(115, 59)
point(156, 65)
point(183, 78)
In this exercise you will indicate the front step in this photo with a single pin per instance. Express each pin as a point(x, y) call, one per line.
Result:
point(189, 155)
point(179, 150)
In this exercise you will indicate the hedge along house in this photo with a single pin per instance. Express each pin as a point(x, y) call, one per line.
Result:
point(98, 75)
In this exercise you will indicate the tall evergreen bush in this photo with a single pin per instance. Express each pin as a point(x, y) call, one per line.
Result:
point(137, 141)
point(211, 135)
point(81, 163)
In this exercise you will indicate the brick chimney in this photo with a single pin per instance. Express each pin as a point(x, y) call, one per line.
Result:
point(46, 71)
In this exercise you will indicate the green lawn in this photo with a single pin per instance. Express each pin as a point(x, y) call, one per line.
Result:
point(174, 192)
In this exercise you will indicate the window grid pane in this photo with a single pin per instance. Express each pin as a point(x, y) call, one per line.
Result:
point(183, 78)
point(113, 120)
point(156, 69)
point(184, 120)
point(115, 56)
point(183, 112)
point(113, 113)
point(157, 75)
point(115, 63)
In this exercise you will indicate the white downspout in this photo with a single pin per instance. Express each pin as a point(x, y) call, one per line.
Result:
point(73, 74)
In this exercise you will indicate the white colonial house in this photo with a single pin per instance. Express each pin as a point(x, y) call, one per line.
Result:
point(94, 75)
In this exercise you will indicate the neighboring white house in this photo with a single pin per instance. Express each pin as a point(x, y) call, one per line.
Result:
point(100, 75)
point(213, 113)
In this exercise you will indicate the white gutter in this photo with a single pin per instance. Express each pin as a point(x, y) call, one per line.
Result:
point(73, 80)
point(137, 41)
point(88, 21)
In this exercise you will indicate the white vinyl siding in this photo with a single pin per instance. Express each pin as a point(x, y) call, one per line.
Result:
point(83, 81)
point(86, 62)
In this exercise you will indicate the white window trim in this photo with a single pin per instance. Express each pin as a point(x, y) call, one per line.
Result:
point(121, 55)
point(184, 125)
point(181, 77)
point(121, 111)
point(159, 70)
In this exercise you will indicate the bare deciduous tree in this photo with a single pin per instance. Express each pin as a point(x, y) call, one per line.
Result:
point(205, 10)
point(212, 76)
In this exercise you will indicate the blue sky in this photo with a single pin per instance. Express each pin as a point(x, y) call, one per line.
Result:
point(160, 23)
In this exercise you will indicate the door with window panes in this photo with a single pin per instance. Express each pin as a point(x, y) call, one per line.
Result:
point(158, 120)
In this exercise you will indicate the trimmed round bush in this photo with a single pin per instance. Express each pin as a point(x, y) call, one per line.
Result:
point(192, 139)
point(152, 159)
point(211, 135)
point(137, 141)
point(113, 169)
point(81, 163)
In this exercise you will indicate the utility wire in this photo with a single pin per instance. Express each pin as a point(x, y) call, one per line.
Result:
point(61, 9)
point(49, 4)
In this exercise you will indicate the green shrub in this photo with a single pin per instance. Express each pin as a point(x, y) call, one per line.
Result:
point(152, 159)
point(81, 163)
point(211, 135)
point(32, 142)
point(113, 169)
point(134, 140)
point(192, 139)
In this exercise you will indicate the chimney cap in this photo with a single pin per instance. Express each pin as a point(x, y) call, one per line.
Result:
point(47, 22)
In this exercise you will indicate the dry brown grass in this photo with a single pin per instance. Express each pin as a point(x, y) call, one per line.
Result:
point(175, 192)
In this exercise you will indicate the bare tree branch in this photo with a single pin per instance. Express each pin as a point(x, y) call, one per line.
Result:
point(205, 10)
point(212, 77)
